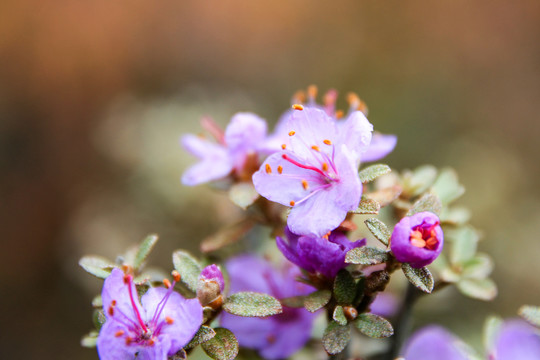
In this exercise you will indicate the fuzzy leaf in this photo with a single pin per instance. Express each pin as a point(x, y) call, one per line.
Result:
point(366, 255)
point(379, 230)
point(144, 250)
point(419, 180)
point(252, 304)
point(483, 289)
point(243, 194)
point(223, 346)
point(531, 314)
point(89, 340)
point(188, 267)
point(456, 215)
point(464, 243)
point(421, 278)
point(96, 265)
point(447, 186)
point(428, 202)
point(373, 326)
point(339, 315)
point(372, 172)
point(367, 207)
point(491, 330)
point(317, 300)
point(226, 236)
point(478, 267)
point(336, 337)
point(203, 335)
point(344, 287)
point(385, 196)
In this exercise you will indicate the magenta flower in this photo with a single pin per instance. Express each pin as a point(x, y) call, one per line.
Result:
point(316, 173)
point(156, 327)
point(275, 337)
point(435, 343)
point(241, 140)
point(417, 239)
point(516, 339)
point(317, 255)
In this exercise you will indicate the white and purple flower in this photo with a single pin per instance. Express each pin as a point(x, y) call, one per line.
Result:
point(417, 239)
point(156, 327)
point(316, 173)
point(275, 337)
point(317, 255)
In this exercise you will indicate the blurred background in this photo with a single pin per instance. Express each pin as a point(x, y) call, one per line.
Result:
point(94, 96)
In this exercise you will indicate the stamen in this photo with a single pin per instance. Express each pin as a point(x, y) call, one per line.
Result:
point(113, 302)
point(312, 92)
point(291, 133)
point(292, 203)
point(169, 320)
point(280, 169)
point(299, 97)
point(133, 305)
point(307, 167)
point(297, 107)
point(129, 340)
point(209, 125)
point(283, 146)
point(325, 166)
point(305, 184)
point(151, 342)
point(316, 148)
point(176, 275)
point(167, 283)
point(127, 279)
point(119, 333)
point(268, 169)
point(327, 142)
point(111, 310)
point(420, 243)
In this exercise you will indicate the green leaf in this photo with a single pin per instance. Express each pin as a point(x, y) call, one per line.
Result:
point(226, 236)
point(464, 244)
point(344, 287)
point(531, 314)
point(188, 267)
point(379, 230)
point(204, 334)
point(339, 315)
point(96, 265)
point(456, 215)
point(144, 250)
point(89, 340)
point(223, 346)
point(421, 278)
point(491, 330)
point(419, 180)
point(99, 318)
point(317, 300)
point(366, 255)
point(428, 202)
point(373, 326)
point(243, 194)
point(386, 196)
point(447, 186)
point(367, 207)
point(478, 267)
point(252, 304)
point(336, 337)
point(372, 172)
point(481, 289)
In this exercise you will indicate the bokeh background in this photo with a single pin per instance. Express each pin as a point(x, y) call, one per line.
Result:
point(94, 95)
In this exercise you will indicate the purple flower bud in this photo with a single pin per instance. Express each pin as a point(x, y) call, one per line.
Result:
point(316, 254)
point(210, 287)
point(417, 239)
point(213, 273)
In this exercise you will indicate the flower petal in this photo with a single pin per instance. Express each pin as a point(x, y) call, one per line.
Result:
point(434, 343)
point(380, 146)
point(249, 273)
point(246, 130)
point(355, 133)
point(201, 147)
point(207, 170)
point(112, 347)
point(517, 340)
point(116, 295)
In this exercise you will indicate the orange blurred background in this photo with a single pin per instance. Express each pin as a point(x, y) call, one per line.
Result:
point(93, 97)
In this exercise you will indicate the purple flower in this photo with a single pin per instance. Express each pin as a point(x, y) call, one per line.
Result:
point(516, 339)
point(435, 343)
point(316, 254)
point(317, 171)
point(156, 327)
point(234, 148)
point(417, 239)
point(275, 337)
point(385, 305)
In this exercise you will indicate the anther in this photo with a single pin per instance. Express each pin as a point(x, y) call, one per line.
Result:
point(119, 333)
point(129, 340)
point(127, 279)
point(167, 283)
point(339, 114)
point(280, 169)
point(176, 275)
point(111, 310)
point(297, 107)
point(325, 167)
point(316, 148)
point(327, 142)
point(292, 203)
point(169, 320)
point(305, 184)
point(291, 133)
point(283, 146)
point(268, 169)
point(151, 342)
point(113, 303)
point(312, 91)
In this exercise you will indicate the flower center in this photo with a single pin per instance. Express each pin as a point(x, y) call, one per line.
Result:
point(424, 237)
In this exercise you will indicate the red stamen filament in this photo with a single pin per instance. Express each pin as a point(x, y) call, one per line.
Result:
point(135, 309)
point(294, 162)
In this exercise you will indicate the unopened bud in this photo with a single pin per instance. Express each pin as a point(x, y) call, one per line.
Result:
point(210, 287)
